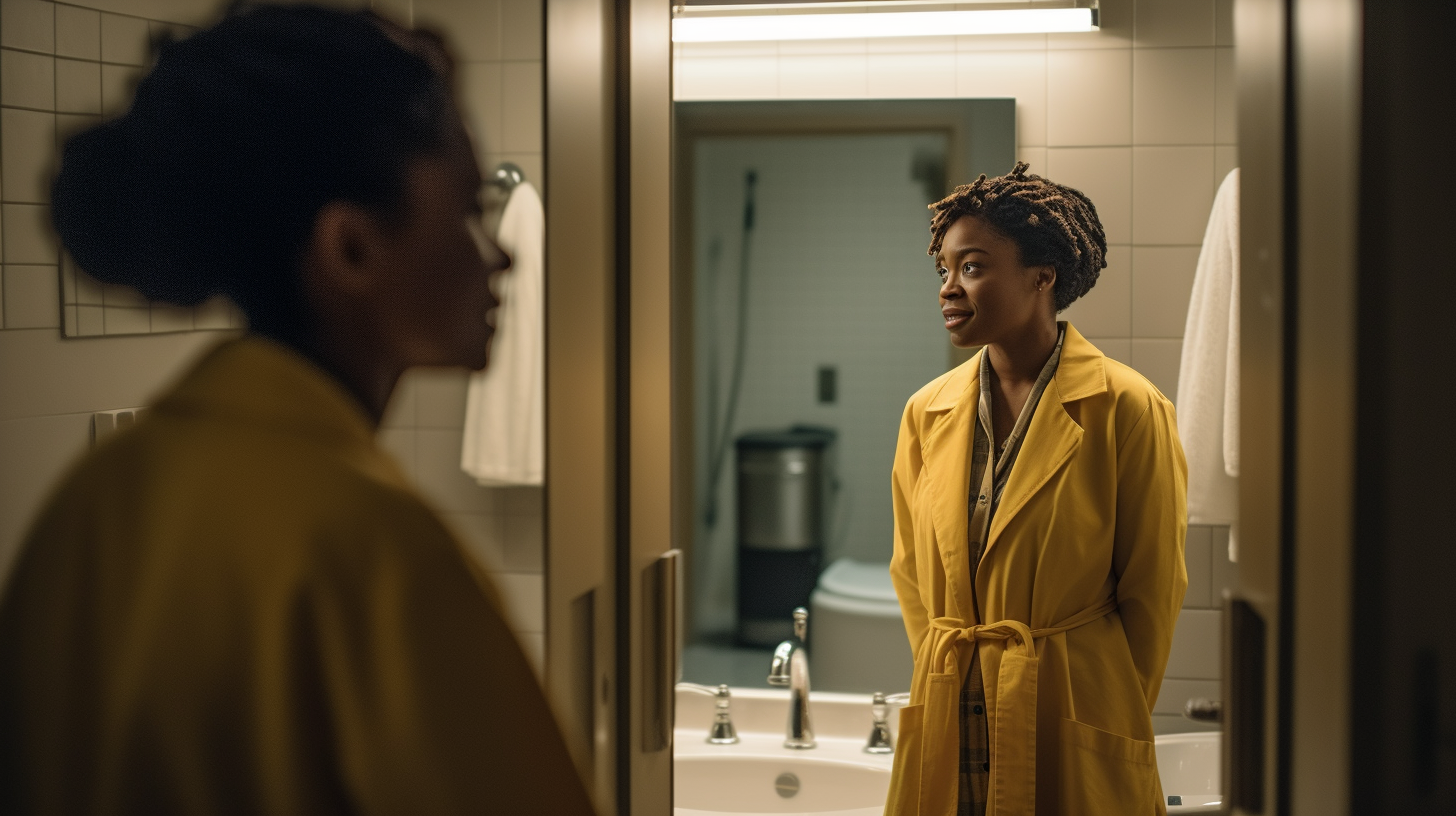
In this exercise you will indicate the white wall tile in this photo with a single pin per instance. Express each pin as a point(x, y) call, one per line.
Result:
point(127, 320)
point(1225, 159)
point(118, 86)
point(1158, 360)
point(524, 597)
point(715, 50)
point(472, 27)
point(521, 29)
point(480, 98)
point(1018, 74)
point(1225, 99)
point(124, 296)
point(32, 297)
point(78, 33)
point(78, 86)
point(1195, 654)
point(753, 77)
point(1116, 348)
point(521, 106)
point(1174, 22)
point(519, 501)
point(1223, 22)
point(1036, 157)
point(480, 534)
point(28, 145)
point(523, 542)
point(1176, 693)
point(28, 24)
point(27, 80)
point(90, 321)
point(400, 412)
point(806, 48)
point(440, 398)
point(1106, 310)
point(1172, 96)
point(124, 40)
point(28, 235)
point(1114, 29)
point(907, 76)
point(1089, 98)
point(837, 76)
point(440, 477)
point(1104, 174)
point(1196, 551)
point(1000, 42)
point(69, 124)
point(88, 291)
point(1172, 193)
point(1162, 282)
point(400, 443)
point(911, 45)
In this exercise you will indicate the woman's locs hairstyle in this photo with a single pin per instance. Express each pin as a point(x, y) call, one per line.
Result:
point(210, 184)
point(1053, 225)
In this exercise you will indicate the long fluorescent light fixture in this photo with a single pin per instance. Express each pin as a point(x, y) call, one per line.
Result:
point(881, 24)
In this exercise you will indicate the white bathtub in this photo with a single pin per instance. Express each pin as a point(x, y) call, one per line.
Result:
point(1189, 767)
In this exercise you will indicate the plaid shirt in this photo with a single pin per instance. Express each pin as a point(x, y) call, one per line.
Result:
point(988, 479)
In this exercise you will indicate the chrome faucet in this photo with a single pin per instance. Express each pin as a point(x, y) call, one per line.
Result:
point(790, 668)
point(722, 731)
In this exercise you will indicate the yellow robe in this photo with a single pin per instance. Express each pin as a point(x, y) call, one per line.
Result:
point(1079, 590)
point(240, 606)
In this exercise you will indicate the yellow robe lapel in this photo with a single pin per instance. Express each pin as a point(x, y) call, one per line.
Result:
point(947, 452)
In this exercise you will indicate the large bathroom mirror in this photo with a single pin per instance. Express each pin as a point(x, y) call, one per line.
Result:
point(809, 311)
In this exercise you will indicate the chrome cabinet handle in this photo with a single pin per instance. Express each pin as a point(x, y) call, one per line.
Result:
point(1203, 710)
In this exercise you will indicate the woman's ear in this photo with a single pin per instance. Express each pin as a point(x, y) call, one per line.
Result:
point(1046, 278)
point(344, 249)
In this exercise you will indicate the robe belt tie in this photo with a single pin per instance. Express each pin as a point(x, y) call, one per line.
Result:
point(1013, 744)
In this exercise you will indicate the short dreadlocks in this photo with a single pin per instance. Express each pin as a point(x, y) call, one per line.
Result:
point(1052, 225)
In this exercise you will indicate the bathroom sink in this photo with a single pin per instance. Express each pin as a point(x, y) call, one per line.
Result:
point(1188, 765)
point(741, 784)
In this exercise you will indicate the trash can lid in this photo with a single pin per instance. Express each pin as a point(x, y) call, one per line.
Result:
point(856, 579)
point(801, 436)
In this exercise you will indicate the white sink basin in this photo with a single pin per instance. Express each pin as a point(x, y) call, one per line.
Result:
point(777, 784)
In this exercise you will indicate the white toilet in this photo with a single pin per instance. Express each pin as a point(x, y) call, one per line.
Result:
point(857, 639)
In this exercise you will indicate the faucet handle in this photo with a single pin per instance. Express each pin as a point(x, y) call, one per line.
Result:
point(880, 742)
point(722, 731)
point(801, 624)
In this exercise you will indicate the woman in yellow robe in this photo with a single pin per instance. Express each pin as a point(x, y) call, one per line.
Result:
point(1040, 600)
point(240, 605)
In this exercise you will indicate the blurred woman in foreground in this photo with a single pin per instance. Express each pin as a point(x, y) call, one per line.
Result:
point(241, 605)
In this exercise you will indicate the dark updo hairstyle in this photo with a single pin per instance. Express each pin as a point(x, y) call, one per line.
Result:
point(1052, 225)
point(239, 135)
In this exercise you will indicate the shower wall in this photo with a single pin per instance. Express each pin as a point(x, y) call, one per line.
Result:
point(838, 278)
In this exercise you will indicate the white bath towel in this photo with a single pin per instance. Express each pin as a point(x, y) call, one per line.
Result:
point(1208, 379)
point(505, 405)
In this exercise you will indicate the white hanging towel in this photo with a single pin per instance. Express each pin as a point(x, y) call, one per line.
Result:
point(505, 404)
point(1208, 381)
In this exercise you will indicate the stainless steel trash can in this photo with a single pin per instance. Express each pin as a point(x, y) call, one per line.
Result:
point(783, 485)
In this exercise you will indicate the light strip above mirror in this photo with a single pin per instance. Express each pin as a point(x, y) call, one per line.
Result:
point(700, 24)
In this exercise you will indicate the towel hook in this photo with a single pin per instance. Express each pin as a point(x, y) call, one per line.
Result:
point(506, 176)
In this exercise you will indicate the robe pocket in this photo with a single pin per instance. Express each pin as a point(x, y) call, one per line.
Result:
point(904, 797)
point(1104, 774)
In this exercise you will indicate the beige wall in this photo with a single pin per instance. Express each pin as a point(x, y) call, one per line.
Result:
point(1139, 115)
point(61, 66)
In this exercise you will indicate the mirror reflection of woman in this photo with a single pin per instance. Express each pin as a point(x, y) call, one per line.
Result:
point(1040, 512)
point(240, 604)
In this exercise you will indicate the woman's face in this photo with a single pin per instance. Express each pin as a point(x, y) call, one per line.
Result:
point(438, 301)
point(986, 294)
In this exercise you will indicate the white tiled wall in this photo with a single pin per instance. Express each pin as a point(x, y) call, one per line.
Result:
point(1139, 115)
point(61, 66)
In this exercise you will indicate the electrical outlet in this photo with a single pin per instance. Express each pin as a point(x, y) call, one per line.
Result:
point(828, 385)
